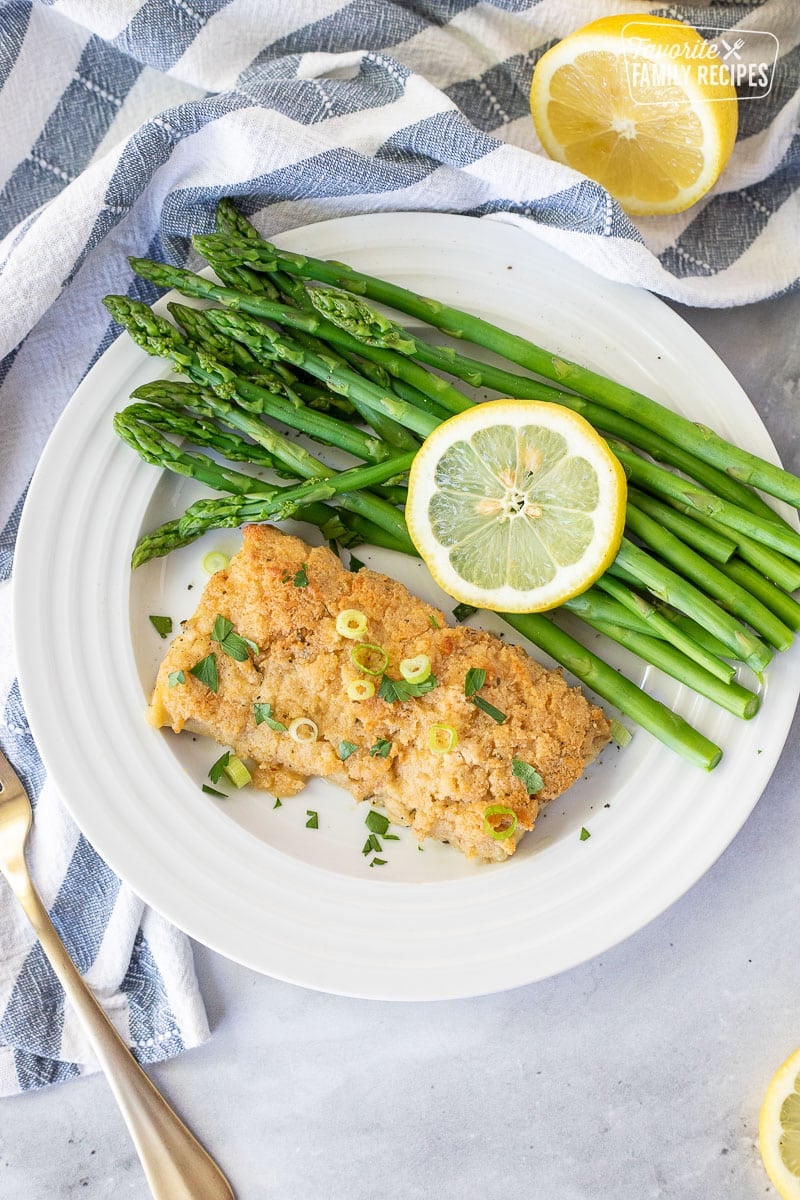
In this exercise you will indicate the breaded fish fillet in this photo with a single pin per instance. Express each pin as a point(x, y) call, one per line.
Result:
point(284, 596)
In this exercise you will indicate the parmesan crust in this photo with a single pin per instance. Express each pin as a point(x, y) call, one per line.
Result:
point(302, 669)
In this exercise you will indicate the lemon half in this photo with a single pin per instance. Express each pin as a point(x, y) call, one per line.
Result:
point(516, 505)
point(641, 104)
point(779, 1128)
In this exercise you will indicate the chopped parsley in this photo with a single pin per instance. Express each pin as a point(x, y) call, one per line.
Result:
point(175, 677)
point(381, 748)
point(473, 682)
point(529, 775)
point(376, 822)
point(162, 625)
point(378, 862)
point(263, 714)
point(371, 845)
point(584, 833)
point(433, 621)
point(300, 577)
point(462, 611)
point(216, 769)
point(355, 564)
point(213, 792)
point(206, 672)
point(400, 689)
point(230, 642)
point(278, 803)
point(489, 709)
point(346, 749)
point(313, 819)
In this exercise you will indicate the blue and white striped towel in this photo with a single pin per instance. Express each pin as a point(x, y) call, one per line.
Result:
point(121, 126)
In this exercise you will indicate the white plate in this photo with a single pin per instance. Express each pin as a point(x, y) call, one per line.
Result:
point(252, 881)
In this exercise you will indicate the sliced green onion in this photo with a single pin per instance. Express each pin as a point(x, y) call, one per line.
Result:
point(215, 561)
point(505, 825)
point(414, 670)
point(303, 730)
point(351, 623)
point(360, 689)
point(369, 658)
point(237, 772)
point(620, 734)
point(442, 738)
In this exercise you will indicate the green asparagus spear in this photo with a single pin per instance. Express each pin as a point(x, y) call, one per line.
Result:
point(786, 608)
point(158, 337)
point(730, 594)
point(704, 539)
point(775, 566)
point(264, 340)
point(282, 504)
point(656, 479)
point(333, 304)
point(195, 429)
point(697, 439)
point(668, 585)
point(731, 696)
point(655, 624)
point(305, 319)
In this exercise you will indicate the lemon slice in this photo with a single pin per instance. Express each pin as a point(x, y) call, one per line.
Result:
point(515, 505)
point(641, 104)
point(779, 1129)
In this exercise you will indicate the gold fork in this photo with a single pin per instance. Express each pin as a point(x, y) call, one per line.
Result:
point(175, 1164)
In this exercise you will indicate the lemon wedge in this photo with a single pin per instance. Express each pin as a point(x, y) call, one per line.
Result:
point(641, 104)
point(779, 1129)
point(515, 505)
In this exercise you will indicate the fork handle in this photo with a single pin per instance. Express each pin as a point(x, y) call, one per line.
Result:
point(175, 1164)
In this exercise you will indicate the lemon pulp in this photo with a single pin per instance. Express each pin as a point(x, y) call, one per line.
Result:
point(642, 105)
point(779, 1129)
point(516, 505)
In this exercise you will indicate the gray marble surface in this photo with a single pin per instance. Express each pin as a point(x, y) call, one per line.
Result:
point(636, 1076)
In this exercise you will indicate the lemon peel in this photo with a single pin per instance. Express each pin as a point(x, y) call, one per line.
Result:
point(641, 104)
